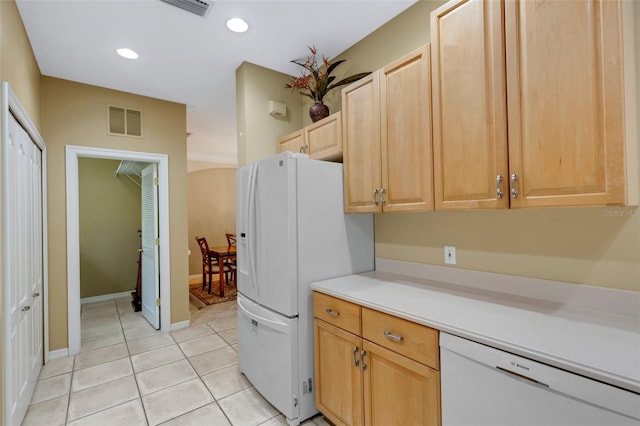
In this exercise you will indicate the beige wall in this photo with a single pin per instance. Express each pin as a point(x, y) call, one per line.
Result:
point(75, 114)
point(18, 66)
point(406, 32)
point(212, 210)
point(596, 246)
point(110, 214)
point(258, 131)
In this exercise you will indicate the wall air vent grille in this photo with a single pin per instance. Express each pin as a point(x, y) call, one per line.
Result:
point(123, 121)
point(198, 7)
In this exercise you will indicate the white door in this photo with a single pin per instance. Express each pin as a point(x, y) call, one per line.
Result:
point(150, 246)
point(22, 253)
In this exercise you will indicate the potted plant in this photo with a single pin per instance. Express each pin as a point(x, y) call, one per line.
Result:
point(316, 81)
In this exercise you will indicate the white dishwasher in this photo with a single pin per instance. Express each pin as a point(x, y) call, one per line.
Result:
point(482, 385)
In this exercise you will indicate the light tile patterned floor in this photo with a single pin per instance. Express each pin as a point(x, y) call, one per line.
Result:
point(127, 373)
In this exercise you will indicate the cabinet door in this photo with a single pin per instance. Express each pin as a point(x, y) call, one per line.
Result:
point(566, 116)
point(397, 390)
point(405, 101)
point(324, 138)
point(338, 374)
point(293, 142)
point(469, 105)
point(361, 139)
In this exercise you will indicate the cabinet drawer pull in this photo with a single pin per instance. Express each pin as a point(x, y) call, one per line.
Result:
point(388, 334)
point(514, 178)
point(331, 312)
point(36, 294)
point(375, 197)
point(383, 200)
point(363, 365)
point(355, 353)
point(26, 308)
point(499, 186)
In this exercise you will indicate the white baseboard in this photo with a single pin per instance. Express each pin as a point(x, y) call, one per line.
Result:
point(104, 297)
point(195, 276)
point(58, 353)
point(180, 325)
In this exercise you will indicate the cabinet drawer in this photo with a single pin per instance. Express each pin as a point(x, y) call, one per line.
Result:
point(338, 312)
point(407, 338)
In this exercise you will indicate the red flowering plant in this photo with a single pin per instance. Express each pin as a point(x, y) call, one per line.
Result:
point(316, 81)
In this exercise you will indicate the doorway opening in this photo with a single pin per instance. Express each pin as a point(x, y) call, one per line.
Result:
point(73, 153)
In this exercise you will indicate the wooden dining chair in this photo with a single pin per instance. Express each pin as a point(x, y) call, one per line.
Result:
point(210, 265)
point(231, 263)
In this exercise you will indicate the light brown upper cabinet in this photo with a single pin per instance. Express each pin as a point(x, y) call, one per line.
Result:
point(559, 92)
point(387, 138)
point(324, 138)
point(293, 142)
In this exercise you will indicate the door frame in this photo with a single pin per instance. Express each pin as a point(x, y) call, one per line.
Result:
point(73, 153)
point(11, 105)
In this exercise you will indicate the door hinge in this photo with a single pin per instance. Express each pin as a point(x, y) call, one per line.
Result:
point(157, 241)
point(295, 401)
point(157, 302)
point(155, 181)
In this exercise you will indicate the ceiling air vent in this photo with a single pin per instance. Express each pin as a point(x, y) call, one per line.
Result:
point(198, 7)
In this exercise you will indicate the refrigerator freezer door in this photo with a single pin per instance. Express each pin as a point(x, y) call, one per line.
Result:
point(267, 233)
point(269, 354)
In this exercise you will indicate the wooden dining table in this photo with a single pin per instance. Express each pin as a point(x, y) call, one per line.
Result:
point(222, 254)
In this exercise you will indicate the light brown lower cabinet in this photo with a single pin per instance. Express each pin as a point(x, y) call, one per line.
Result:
point(359, 382)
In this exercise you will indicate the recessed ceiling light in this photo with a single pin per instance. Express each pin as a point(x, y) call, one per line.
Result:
point(237, 25)
point(127, 53)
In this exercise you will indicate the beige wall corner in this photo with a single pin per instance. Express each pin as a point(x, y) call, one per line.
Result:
point(75, 114)
point(258, 131)
point(596, 246)
point(212, 210)
point(18, 66)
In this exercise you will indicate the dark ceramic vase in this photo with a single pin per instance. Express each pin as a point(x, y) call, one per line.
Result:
point(318, 111)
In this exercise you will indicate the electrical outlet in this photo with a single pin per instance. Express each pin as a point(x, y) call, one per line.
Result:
point(450, 255)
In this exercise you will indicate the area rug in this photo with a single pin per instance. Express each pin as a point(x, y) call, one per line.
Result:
point(196, 291)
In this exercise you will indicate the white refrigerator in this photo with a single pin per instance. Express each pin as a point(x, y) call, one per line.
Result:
point(291, 231)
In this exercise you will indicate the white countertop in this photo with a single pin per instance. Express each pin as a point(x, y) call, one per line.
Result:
point(596, 343)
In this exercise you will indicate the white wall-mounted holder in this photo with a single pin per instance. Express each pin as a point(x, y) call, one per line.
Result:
point(277, 109)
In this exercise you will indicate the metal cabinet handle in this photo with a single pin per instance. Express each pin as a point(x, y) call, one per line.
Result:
point(375, 197)
point(332, 312)
point(26, 308)
point(383, 200)
point(514, 178)
point(301, 149)
point(36, 294)
point(355, 352)
point(498, 186)
point(363, 365)
point(394, 337)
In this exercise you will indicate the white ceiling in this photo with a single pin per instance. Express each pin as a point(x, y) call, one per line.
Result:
point(190, 59)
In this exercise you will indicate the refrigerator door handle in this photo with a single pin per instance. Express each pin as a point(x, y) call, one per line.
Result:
point(251, 220)
point(275, 325)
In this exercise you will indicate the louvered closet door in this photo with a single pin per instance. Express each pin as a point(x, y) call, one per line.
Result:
point(150, 264)
point(23, 269)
